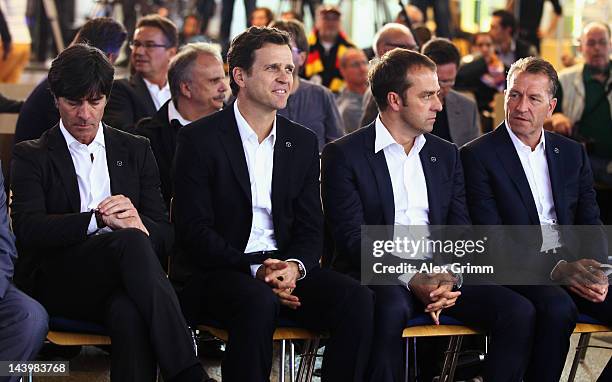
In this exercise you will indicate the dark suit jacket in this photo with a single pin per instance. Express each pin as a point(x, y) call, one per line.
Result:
point(212, 202)
point(356, 190)
point(498, 192)
point(163, 143)
point(8, 252)
point(38, 114)
point(130, 101)
point(46, 204)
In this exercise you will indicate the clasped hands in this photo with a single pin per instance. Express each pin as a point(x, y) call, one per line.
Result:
point(583, 277)
point(435, 291)
point(281, 276)
point(118, 212)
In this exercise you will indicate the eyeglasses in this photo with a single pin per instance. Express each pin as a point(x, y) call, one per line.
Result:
point(357, 64)
point(147, 45)
point(446, 83)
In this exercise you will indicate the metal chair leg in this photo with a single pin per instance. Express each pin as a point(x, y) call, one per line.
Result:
point(303, 362)
point(455, 358)
point(450, 359)
point(407, 366)
point(313, 358)
point(292, 361)
point(583, 342)
point(281, 366)
point(585, 347)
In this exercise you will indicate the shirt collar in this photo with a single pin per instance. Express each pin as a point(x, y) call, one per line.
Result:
point(384, 138)
point(173, 113)
point(153, 88)
point(246, 131)
point(519, 145)
point(98, 139)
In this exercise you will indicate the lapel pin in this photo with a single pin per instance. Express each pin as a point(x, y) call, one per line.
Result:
point(433, 159)
point(119, 163)
point(287, 144)
point(556, 150)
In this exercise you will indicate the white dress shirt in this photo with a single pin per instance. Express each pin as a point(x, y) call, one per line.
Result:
point(407, 177)
point(173, 113)
point(159, 95)
point(260, 163)
point(535, 167)
point(91, 171)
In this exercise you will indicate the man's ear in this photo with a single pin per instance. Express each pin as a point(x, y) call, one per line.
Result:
point(239, 75)
point(185, 89)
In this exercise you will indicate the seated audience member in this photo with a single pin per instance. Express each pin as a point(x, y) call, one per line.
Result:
point(507, 47)
point(262, 17)
point(584, 107)
point(483, 74)
point(23, 321)
point(520, 174)
point(389, 37)
point(354, 69)
point(191, 31)
point(327, 43)
point(309, 104)
point(39, 112)
point(197, 83)
point(394, 172)
point(90, 224)
point(154, 43)
point(458, 121)
point(248, 216)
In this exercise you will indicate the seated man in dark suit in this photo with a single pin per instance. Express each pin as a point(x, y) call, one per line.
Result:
point(39, 112)
point(248, 217)
point(154, 43)
point(393, 172)
point(520, 174)
point(89, 219)
point(197, 82)
point(23, 321)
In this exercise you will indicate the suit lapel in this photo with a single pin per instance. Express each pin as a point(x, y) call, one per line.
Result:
point(555, 172)
point(60, 156)
point(116, 160)
point(140, 87)
point(429, 161)
point(378, 163)
point(230, 139)
point(509, 159)
point(283, 156)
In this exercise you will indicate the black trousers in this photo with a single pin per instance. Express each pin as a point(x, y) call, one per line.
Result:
point(249, 309)
point(116, 279)
point(506, 315)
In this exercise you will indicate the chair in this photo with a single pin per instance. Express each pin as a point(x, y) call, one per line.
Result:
point(286, 331)
point(585, 327)
point(67, 332)
point(421, 326)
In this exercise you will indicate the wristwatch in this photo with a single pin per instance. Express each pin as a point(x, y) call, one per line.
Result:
point(301, 269)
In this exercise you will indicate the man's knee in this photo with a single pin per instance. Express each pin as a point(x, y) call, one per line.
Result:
point(29, 321)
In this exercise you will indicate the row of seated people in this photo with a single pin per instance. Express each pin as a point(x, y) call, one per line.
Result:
point(91, 224)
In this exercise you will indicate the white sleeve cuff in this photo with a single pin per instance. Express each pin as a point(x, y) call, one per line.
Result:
point(555, 267)
point(254, 269)
point(303, 267)
point(93, 225)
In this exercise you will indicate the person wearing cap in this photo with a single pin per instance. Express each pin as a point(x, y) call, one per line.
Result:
point(327, 43)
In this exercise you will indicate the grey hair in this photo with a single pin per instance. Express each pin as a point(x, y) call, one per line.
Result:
point(386, 28)
point(181, 64)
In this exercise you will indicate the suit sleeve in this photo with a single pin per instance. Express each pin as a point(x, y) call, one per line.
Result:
point(34, 227)
point(8, 252)
point(307, 227)
point(119, 112)
point(152, 209)
point(458, 211)
point(194, 213)
point(479, 195)
point(342, 203)
point(587, 210)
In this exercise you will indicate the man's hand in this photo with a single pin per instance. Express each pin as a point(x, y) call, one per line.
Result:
point(281, 276)
point(118, 212)
point(584, 278)
point(561, 124)
point(435, 292)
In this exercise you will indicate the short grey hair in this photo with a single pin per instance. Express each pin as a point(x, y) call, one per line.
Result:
point(535, 65)
point(386, 28)
point(181, 64)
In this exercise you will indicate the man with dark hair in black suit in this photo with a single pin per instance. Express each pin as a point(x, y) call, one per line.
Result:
point(248, 217)
point(89, 220)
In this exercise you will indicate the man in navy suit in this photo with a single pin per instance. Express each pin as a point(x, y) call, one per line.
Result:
point(520, 174)
point(248, 218)
point(23, 321)
point(394, 172)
